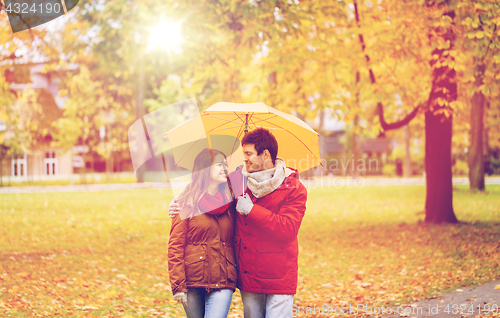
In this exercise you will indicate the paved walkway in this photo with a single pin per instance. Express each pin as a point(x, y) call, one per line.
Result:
point(471, 301)
point(372, 181)
point(324, 182)
point(86, 187)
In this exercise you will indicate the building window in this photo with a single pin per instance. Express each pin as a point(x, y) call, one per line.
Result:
point(50, 163)
point(19, 166)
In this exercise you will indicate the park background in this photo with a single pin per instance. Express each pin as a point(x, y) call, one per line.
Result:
point(413, 85)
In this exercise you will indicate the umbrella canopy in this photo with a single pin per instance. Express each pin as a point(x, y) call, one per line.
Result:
point(297, 142)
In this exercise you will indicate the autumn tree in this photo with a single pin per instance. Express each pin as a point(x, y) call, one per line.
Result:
point(23, 111)
point(479, 27)
point(83, 112)
point(437, 109)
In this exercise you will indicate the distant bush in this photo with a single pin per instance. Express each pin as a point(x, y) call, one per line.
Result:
point(389, 169)
point(460, 168)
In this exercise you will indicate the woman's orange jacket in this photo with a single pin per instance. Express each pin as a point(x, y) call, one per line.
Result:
point(201, 253)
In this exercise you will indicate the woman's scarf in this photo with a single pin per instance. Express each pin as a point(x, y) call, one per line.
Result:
point(213, 204)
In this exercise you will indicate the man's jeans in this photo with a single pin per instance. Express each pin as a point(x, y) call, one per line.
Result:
point(201, 304)
point(267, 305)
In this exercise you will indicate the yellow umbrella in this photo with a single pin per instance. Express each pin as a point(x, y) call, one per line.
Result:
point(297, 142)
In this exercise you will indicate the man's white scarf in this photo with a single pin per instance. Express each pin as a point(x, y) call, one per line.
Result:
point(263, 182)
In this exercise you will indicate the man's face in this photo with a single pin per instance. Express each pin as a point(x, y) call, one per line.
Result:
point(253, 162)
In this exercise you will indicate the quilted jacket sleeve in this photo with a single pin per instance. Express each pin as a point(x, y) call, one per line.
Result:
point(286, 222)
point(176, 244)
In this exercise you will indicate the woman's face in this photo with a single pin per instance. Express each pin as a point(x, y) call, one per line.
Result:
point(217, 172)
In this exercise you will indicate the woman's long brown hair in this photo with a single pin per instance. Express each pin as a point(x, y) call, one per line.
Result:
point(200, 179)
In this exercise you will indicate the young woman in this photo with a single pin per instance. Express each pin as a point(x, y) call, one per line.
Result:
point(200, 255)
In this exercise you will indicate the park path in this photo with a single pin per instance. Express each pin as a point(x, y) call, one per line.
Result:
point(462, 302)
point(317, 183)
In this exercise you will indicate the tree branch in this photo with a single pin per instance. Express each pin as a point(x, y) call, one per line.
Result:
point(380, 107)
point(398, 124)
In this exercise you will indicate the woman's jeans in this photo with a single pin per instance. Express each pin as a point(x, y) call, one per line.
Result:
point(201, 304)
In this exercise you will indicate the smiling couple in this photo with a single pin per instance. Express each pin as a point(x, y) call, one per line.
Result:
point(208, 235)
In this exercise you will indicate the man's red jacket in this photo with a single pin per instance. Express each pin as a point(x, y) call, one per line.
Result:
point(265, 241)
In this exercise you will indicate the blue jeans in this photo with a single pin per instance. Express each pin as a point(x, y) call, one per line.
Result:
point(257, 305)
point(201, 304)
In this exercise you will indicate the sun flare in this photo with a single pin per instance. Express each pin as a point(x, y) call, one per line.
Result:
point(166, 35)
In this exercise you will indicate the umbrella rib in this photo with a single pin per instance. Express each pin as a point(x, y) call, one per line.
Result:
point(185, 153)
point(264, 119)
point(250, 119)
point(224, 119)
point(295, 138)
point(215, 129)
point(237, 138)
point(258, 121)
point(239, 117)
point(240, 132)
point(251, 115)
point(274, 128)
point(256, 126)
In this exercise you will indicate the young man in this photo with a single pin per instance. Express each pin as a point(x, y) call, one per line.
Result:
point(270, 211)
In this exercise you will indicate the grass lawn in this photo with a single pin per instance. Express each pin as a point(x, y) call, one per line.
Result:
point(105, 253)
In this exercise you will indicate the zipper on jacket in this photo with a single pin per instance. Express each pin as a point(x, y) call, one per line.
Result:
point(209, 256)
point(220, 245)
point(209, 268)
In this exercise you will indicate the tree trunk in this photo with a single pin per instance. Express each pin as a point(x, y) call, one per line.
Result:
point(109, 167)
point(439, 201)
point(438, 132)
point(344, 164)
point(139, 103)
point(29, 168)
point(1, 167)
point(355, 138)
point(355, 149)
point(486, 140)
point(10, 174)
point(408, 172)
point(322, 139)
point(83, 173)
point(476, 159)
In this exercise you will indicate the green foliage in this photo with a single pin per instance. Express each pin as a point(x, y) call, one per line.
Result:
point(25, 122)
point(460, 168)
point(478, 25)
point(389, 169)
point(297, 56)
point(85, 103)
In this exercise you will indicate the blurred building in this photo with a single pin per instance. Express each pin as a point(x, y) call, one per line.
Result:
point(335, 147)
point(44, 161)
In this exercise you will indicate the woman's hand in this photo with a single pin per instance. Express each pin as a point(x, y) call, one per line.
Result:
point(173, 208)
point(181, 298)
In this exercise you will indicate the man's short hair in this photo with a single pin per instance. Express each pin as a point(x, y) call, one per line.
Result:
point(262, 139)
